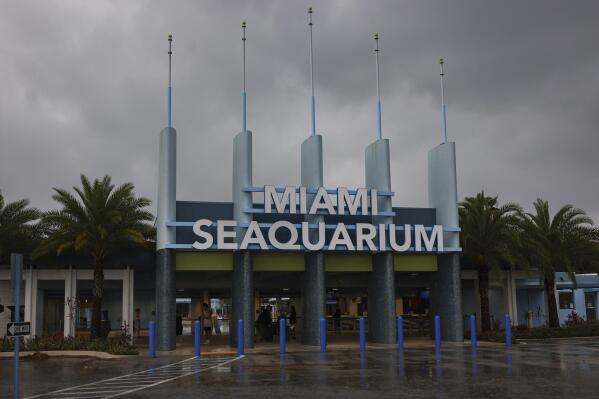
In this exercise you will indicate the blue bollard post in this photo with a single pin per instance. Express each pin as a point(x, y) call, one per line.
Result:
point(323, 335)
point(282, 337)
point(362, 335)
point(473, 331)
point(240, 337)
point(400, 334)
point(197, 337)
point(437, 332)
point(508, 331)
point(17, 264)
point(152, 337)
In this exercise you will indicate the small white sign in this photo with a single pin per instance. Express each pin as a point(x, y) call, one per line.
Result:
point(18, 329)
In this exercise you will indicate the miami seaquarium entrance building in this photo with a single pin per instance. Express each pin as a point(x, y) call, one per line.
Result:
point(319, 249)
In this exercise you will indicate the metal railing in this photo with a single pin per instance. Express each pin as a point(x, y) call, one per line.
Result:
point(414, 325)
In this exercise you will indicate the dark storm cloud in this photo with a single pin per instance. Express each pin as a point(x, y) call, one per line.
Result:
point(84, 92)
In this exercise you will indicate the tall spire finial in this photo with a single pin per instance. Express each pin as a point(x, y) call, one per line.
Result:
point(443, 113)
point(312, 98)
point(170, 87)
point(378, 88)
point(244, 99)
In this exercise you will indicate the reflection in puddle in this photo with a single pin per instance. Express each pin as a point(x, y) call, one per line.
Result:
point(438, 368)
point(363, 366)
point(402, 366)
point(474, 362)
point(282, 371)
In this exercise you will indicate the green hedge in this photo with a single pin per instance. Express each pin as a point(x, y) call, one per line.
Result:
point(116, 346)
point(580, 330)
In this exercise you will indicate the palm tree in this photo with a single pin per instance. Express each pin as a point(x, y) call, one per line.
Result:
point(98, 220)
point(18, 232)
point(488, 235)
point(565, 243)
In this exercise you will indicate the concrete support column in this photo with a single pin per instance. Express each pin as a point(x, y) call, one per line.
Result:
point(31, 299)
point(165, 300)
point(166, 235)
point(381, 280)
point(256, 302)
point(313, 297)
point(510, 296)
point(449, 297)
point(381, 299)
point(242, 298)
point(313, 283)
point(127, 302)
point(242, 294)
point(70, 302)
point(442, 193)
point(477, 299)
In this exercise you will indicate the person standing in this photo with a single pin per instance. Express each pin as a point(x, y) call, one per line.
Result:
point(337, 320)
point(264, 321)
point(292, 321)
point(215, 322)
point(207, 323)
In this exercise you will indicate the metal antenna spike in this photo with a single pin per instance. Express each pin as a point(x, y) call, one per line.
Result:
point(243, 39)
point(243, 95)
point(170, 87)
point(443, 108)
point(312, 98)
point(378, 88)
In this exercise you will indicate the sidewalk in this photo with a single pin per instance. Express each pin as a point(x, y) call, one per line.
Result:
point(220, 344)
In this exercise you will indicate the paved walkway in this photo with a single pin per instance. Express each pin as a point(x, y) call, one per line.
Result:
point(135, 382)
point(560, 368)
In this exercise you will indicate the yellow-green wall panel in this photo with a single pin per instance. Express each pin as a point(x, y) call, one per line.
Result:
point(294, 261)
point(278, 262)
point(415, 263)
point(204, 261)
point(347, 263)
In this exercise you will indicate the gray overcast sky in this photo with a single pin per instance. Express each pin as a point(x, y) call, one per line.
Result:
point(84, 83)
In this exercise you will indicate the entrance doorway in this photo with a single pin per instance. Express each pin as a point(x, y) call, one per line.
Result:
point(590, 300)
point(272, 306)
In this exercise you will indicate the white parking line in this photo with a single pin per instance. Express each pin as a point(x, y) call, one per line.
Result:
point(129, 383)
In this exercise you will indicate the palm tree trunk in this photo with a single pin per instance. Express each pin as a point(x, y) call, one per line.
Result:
point(98, 292)
point(551, 305)
point(483, 289)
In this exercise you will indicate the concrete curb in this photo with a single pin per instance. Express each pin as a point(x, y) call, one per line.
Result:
point(95, 354)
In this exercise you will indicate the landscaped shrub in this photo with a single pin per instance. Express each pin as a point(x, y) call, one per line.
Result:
point(120, 345)
point(574, 320)
point(580, 330)
point(577, 329)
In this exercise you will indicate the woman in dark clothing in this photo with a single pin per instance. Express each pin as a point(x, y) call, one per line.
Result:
point(179, 324)
point(264, 322)
point(337, 320)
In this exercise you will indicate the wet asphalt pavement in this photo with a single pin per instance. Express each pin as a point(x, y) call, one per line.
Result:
point(556, 368)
